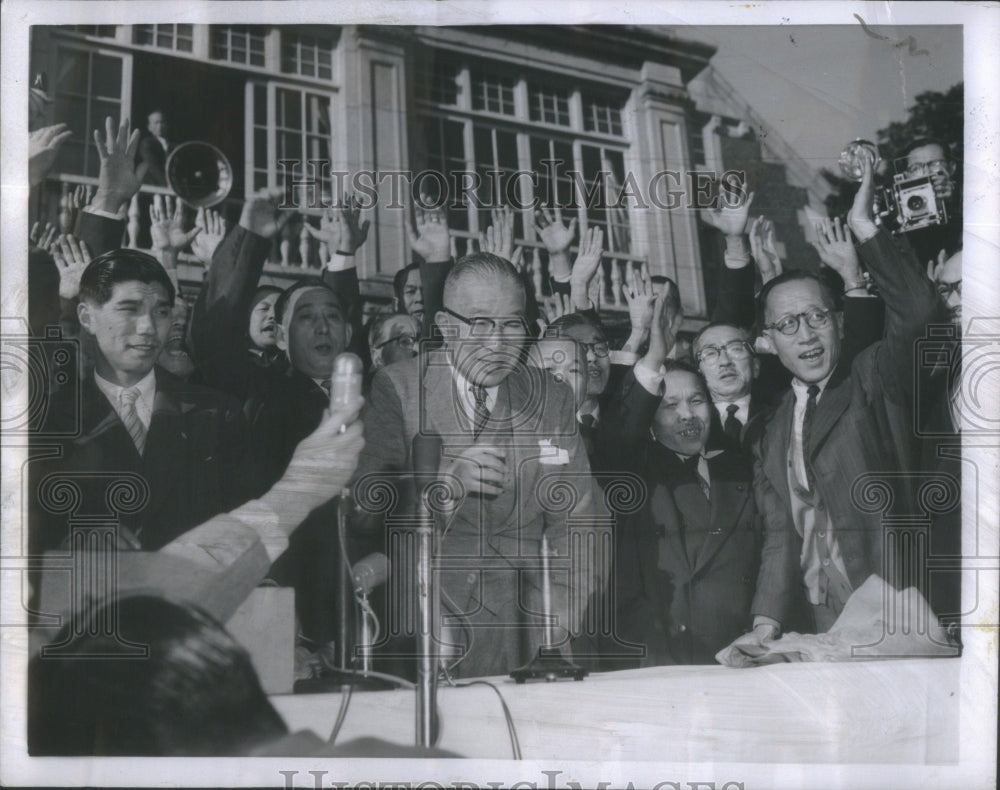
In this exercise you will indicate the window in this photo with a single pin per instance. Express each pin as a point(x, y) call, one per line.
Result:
point(104, 31)
point(88, 87)
point(602, 114)
point(549, 105)
point(238, 44)
point(179, 37)
point(288, 123)
point(310, 56)
point(492, 93)
point(437, 80)
point(574, 167)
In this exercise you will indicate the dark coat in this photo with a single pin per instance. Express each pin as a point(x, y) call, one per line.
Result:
point(193, 467)
point(685, 565)
point(863, 424)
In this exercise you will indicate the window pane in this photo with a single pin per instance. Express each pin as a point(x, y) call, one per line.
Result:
point(289, 145)
point(143, 34)
point(289, 109)
point(260, 105)
point(72, 72)
point(106, 80)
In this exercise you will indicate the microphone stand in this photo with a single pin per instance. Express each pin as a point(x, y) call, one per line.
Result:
point(426, 458)
point(548, 664)
point(342, 674)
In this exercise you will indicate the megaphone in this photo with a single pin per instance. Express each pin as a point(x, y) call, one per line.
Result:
point(199, 174)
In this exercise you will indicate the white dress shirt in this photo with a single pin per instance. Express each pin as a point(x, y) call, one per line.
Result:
point(742, 409)
point(143, 404)
point(803, 514)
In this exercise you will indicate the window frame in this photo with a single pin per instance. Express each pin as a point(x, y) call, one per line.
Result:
point(91, 48)
point(272, 86)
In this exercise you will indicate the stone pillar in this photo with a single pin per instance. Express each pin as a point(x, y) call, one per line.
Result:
point(669, 235)
point(374, 139)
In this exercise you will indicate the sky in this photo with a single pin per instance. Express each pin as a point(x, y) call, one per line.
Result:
point(820, 86)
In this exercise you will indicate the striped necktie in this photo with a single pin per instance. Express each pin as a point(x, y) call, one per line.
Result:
point(130, 417)
point(481, 413)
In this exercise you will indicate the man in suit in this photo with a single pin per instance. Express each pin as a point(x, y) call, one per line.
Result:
point(687, 561)
point(725, 357)
point(509, 442)
point(838, 422)
point(186, 442)
point(154, 148)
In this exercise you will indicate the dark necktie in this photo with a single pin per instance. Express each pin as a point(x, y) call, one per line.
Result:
point(732, 427)
point(482, 414)
point(327, 387)
point(807, 420)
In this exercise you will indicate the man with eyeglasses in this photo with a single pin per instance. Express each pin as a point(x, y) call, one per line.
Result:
point(930, 157)
point(392, 337)
point(837, 423)
point(727, 361)
point(508, 436)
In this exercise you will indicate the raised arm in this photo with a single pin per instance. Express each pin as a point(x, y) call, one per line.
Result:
point(218, 333)
point(911, 301)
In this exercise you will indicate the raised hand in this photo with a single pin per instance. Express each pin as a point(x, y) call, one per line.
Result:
point(588, 260)
point(43, 148)
point(119, 178)
point(836, 249)
point(340, 228)
point(429, 237)
point(555, 306)
point(81, 196)
point(731, 214)
point(167, 225)
point(44, 239)
point(71, 257)
point(860, 217)
point(213, 231)
point(554, 235)
point(639, 294)
point(499, 237)
point(260, 214)
point(324, 461)
point(763, 246)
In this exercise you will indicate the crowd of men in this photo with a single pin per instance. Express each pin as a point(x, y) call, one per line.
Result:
point(739, 448)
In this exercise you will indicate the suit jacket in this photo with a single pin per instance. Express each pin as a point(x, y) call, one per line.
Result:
point(685, 567)
point(489, 550)
point(193, 465)
point(863, 424)
point(152, 153)
point(864, 320)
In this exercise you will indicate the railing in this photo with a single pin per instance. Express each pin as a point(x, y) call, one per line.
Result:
point(605, 290)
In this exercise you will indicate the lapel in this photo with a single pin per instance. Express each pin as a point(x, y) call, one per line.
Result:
point(101, 426)
point(832, 404)
point(664, 471)
point(731, 492)
point(167, 438)
point(440, 411)
point(775, 443)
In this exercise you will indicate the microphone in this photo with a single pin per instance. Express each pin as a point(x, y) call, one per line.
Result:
point(369, 572)
point(345, 382)
point(426, 451)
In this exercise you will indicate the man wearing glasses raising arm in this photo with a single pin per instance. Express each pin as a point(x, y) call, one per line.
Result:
point(838, 422)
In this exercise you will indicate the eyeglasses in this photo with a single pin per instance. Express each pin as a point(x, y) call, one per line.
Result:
point(789, 324)
point(600, 348)
point(735, 349)
point(925, 168)
point(947, 289)
point(404, 341)
point(482, 326)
